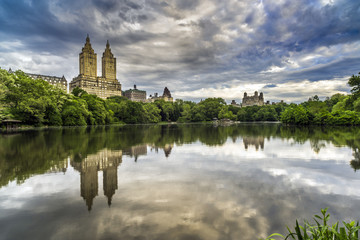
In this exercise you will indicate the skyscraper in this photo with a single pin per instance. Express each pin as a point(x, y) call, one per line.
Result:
point(105, 86)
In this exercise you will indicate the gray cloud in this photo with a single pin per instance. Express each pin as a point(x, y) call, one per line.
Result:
point(199, 44)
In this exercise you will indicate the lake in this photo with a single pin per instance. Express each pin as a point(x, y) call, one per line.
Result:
point(191, 181)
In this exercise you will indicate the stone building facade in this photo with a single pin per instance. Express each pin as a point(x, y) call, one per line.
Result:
point(105, 86)
point(135, 95)
point(234, 104)
point(166, 96)
point(56, 81)
point(253, 100)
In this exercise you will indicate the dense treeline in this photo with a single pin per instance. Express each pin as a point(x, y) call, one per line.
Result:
point(339, 109)
point(36, 102)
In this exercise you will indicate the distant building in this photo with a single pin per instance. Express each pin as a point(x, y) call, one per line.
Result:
point(233, 103)
point(276, 103)
point(135, 95)
point(105, 86)
point(166, 96)
point(257, 100)
point(56, 81)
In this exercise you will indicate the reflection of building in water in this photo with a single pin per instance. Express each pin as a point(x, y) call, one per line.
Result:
point(106, 161)
point(61, 166)
point(167, 149)
point(255, 141)
point(136, 151)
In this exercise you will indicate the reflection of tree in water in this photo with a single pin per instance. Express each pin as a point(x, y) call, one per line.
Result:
point(254, 141)
point(37, 152)
point(316, 145)
point(355, 163)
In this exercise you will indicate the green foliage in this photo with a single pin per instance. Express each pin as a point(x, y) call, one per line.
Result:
point(340, 105)
point(78, 92)
point(28, 100)
point(75, 112)
point(225, 113)
point(99, 115)
point(207, 109)
point(357, 105)
point(295, 115)
point(152, 113)
point(321, 230)
point(334, 99)
point(260, 113)
point(36, 102)
point(354, 81)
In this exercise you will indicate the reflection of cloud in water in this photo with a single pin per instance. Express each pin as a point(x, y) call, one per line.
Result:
point(198, 192)
point(178, 209)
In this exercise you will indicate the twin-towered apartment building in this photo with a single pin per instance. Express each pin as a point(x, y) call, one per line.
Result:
point(103, 86)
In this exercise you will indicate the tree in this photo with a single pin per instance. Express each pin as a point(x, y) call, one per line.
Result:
point(98, 112)
point(295, 115)
point(5, 79)
point(78, 92)
point(354, 81)
point(75, 112)
point(28, 99)
point(152, 113)
point(226, 114)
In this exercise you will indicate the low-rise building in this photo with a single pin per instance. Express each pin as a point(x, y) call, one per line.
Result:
point(53, 80)
point(56, 81)
point(257, 100)
point(166, 96)
point(135, 95)
point(234, 104)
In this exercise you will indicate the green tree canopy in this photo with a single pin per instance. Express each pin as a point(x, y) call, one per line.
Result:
point(354, 81)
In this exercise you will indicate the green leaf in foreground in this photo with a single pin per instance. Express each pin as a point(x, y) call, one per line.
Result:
point(318, 231)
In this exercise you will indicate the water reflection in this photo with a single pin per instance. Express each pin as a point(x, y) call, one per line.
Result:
point(136, 151)
point(257, 141)
point(174, 181)
point(36, 152)
point(106, 161)
point(355, 163)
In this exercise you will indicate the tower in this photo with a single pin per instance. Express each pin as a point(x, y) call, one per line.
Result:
point(105, 86)
point(88, 60)
point(108, 64)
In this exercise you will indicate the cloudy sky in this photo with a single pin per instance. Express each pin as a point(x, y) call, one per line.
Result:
point(289, 50)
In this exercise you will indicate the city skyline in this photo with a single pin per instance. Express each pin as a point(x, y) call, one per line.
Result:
point(287, 50)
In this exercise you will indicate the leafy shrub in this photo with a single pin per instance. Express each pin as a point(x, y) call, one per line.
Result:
point(321, 231)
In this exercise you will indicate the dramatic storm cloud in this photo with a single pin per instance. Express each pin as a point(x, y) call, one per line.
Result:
point(289, 50)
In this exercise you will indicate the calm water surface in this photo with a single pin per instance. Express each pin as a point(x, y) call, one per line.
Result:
point(175, 182)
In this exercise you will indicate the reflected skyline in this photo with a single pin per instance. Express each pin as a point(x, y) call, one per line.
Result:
point(106, 161)
point(34, 152)
point(174, 182)
point(254, 141)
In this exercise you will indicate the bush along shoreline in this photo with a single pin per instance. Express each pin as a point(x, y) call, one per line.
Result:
point(37, 103)
point(321, 230)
